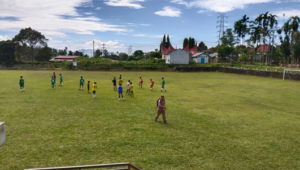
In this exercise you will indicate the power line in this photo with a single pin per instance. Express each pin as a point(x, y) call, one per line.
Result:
point(221, 25)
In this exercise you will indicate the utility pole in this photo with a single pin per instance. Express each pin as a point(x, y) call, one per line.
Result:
point(103, 48)
point(221, 25)
point(129, 50)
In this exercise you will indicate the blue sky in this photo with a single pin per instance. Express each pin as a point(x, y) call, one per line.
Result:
point(140, 23)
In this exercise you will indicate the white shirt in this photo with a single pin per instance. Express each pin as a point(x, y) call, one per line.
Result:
point(128, 84)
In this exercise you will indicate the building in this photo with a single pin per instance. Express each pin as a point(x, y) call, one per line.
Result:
point(201, 57)
point(261, 53)
point(213, 58)
point(178, 56)
point(63, 58)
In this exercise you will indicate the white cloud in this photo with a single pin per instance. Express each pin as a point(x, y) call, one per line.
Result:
point(148, 35)
point(50, 18)
point(288, 13)
point(3, 38)
point(125, 3)
point(220, 5)
point(169, 12)
point(98, 8)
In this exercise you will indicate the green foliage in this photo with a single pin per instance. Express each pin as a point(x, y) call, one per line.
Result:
point(228, 38)
point(154, 54)
point(244, 57)
point(7, 52)
point(225, 51)
point(44, 54)
point(98, 53)
point(202, 47)
point(185, 42)
point(139, 53)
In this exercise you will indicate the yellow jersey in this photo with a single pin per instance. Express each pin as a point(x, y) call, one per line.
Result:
point(131, 87)
point(121, 82)
point(94, 87)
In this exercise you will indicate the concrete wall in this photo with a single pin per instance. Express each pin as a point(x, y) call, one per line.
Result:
point(178, 57)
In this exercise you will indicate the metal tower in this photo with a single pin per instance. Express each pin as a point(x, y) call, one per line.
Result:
point(221, 25)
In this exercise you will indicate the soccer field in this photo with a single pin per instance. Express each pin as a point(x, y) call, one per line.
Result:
point(215, 121)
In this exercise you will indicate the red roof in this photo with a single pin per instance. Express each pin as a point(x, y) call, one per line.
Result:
point(165, 50)
point(208, 51)
point(262, 48)
point(65, 57)
point(194, 50)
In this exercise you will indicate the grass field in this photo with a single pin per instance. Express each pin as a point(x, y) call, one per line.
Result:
point(215, 121)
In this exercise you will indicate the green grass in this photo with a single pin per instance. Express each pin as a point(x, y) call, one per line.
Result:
point(215, 121)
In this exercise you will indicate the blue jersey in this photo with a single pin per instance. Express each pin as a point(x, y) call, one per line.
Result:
point(120, 88)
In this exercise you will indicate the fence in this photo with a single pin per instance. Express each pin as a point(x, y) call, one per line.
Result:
point(128, 166)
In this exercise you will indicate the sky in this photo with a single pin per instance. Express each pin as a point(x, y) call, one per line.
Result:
point(138, 23)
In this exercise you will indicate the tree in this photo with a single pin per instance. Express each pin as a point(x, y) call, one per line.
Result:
point(202, 47)
point(44, 54)
point(7, 52)
point(225, 51)
point(70, 53)
point(98, 53)
point(78, 53)
point(228, 38)
point(154, 54)
point(191, 43)
point(139, 53)
point(21, 52)
point(244, 57)
point(123, 56)
point(32, 39)
point(185, 42)
point(167, 43)
point(241, 28)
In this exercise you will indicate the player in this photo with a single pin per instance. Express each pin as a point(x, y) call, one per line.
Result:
point(141, 82)
point(131, 90)
point(121, 81)
point(152, 84)
point(128, 84)
point(81, 83)
point(52, 82)
point(88, 86)
point(163, 84)
point(61, 80)
point(21, 83)
point(120, 76)
point(94, 89)
point(115, 83)
point(120, 90)
point(54, 76)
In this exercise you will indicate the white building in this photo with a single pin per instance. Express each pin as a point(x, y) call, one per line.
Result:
point(201, 57)
point(178, 56)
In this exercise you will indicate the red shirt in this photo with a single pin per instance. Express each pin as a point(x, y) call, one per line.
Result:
point(152, 82)
point(141, 81)
point(54, 76)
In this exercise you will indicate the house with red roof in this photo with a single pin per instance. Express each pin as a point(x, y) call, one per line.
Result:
point(178, 56)
point(64, 58)
point(261, 51)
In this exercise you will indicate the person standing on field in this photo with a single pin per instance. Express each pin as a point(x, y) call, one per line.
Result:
point(131, 90)
point(21, 83)
point(121, 81)
point(54, 76)
point(128, 84)
point(161, 109)
point(120, 90)
point(81, 83)
point(114, 83)
point(61, 80)
point(52, 82)
point(152, 84)
point(163, 85)
point(94, 89)
point(141, 82)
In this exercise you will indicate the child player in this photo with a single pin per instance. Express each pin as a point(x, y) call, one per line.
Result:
point(61, 80)
point(114, 83)
point(128, 84)
point(52, 82)
point(81, 83)
point(131, 90)
point(120, 90)
point(21, 83)
point(121, 81)
point(163, 84)
point(54, 76)
point(152, 84)
point(94, 89)
point(141, 82)
point(88, 86)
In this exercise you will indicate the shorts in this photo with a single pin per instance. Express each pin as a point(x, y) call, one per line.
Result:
point(151, 86)
point(21, 85)
point(61, 81)
point(120, 93)
point(115, 85)
point(81, 84)
point(52, 84)
point(94, 92)
point(163, 86)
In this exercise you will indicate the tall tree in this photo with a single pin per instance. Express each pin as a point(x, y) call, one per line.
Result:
point(7, 52)
point(44, 54)
point(185, 42)
point(202, 47)
point(191, 42)
point(290, 29)
point(32, 39)
point(228, 38)
point(167, 43)
point(241, 27)
point(138, 53)
point(70, 53)
point(98, 53)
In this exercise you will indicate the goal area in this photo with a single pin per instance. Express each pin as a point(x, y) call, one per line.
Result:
point(291, 74)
